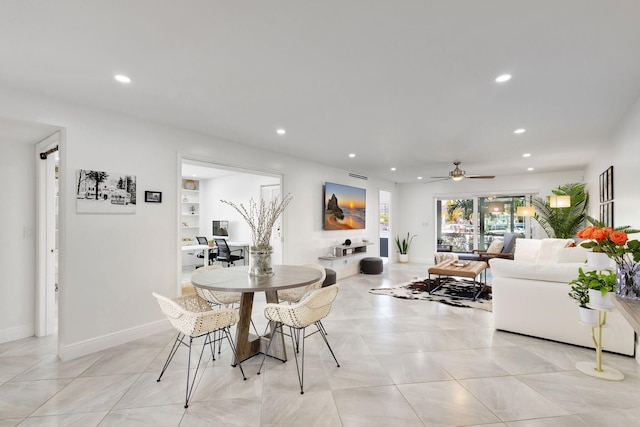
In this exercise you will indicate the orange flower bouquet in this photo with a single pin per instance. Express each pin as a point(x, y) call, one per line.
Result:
point(612, 241)
point(615, 243)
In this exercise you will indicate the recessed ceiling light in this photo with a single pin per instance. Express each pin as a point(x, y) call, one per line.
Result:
point(419, 177)
point(530, 169)
point(352, 155)
point(519, 131)
point(393, 169)
point(281, 131)
point(526, 155)
point(503, 78)
point(122, 78)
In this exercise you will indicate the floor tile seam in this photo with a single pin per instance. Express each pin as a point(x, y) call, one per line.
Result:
point(35, 417)
point(138, 376)
point(539, 394)
point(458, 381)
point(52, 396)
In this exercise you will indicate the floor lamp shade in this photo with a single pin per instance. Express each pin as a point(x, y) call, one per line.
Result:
point(525, 211)
point(559, 201)
point(495, 207)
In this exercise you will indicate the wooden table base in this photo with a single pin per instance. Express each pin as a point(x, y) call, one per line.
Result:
point(248, 345)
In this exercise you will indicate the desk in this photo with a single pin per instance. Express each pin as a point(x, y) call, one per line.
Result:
point(237, 279)
point(196, 248)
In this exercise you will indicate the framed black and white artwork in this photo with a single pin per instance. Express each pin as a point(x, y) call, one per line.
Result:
point(105, 192)
point(153, 196)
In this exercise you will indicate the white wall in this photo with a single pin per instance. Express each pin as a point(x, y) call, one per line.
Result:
point(110, 264)
point(17, 252)
point(622, 153)
point(413, 209)
point(237, 189)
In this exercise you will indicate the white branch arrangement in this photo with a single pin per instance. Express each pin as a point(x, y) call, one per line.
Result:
point(261, 217)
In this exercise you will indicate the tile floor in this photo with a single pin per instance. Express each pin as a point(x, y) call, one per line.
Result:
point(403, 363)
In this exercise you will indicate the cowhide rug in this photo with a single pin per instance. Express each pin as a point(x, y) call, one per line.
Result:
point(452, 291)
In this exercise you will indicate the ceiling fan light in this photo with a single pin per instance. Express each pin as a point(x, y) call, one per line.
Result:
point(457, 177)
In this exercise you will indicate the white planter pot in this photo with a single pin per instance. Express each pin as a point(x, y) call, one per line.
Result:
point(598, 260)
point(588, 315)
point(597, 300)
point(403, 258)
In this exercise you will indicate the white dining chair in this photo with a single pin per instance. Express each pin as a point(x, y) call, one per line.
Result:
point(193, 317)
point(294, 295)
point(309, 311)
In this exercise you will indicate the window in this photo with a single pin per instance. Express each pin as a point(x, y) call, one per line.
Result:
point(473, 223)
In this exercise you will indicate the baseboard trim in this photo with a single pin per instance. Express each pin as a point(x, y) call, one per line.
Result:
point(16, 333)
point(104, 342)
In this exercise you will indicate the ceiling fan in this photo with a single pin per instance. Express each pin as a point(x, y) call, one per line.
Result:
point(457, 174)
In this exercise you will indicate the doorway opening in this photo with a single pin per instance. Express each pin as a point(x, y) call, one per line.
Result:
point(48, 193)
point(202, 187)
point(384, 212)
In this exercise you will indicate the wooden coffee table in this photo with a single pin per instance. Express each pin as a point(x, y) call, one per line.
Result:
point(466, 269)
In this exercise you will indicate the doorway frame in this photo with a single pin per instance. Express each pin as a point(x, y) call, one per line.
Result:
point(45, 262)
point(182, 157)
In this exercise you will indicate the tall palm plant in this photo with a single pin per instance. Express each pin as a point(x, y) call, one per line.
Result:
point(563, 223)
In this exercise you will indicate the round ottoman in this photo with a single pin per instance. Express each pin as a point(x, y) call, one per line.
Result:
point(330, 279)
point(371, 265)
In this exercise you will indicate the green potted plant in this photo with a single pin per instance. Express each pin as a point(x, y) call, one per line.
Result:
point(599, 284)
point(403, 247)
point(580, 293)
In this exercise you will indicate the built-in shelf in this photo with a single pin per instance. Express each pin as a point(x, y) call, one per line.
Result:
point(343, 251)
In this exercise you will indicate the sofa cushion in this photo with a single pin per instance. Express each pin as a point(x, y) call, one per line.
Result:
point(570, 254)
point(495, 246)
point(563, 273)
point(548, 249)
point(527, 249)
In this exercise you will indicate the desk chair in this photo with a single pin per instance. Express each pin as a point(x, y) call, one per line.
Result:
point(212, 252)
point(227, 255)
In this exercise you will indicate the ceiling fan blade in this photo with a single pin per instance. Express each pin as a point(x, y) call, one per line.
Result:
point(480, 176)
point(439, 177)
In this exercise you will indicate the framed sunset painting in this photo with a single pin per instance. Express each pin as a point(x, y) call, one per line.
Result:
point(344, 207)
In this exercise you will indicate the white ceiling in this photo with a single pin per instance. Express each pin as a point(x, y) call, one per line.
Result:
point(402, 83)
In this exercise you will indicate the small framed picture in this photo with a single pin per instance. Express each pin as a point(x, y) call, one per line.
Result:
point(153, 196)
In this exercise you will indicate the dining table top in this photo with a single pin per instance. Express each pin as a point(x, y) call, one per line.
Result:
point(237, 279)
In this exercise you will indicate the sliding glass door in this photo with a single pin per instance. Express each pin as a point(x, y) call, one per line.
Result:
point(473, 223)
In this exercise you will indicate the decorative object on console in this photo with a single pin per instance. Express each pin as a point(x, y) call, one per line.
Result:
point(347, 242)
point(615, 243)
point(403, 247)
point(562, 222)
point(261, 219)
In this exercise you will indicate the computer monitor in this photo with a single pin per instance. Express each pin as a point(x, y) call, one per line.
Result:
point(220, 228)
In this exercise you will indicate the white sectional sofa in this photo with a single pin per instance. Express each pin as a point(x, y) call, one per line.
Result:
point(530, 296)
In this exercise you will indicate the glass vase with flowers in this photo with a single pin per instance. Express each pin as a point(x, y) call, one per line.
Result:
point(615, 243)
point(261, 218)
